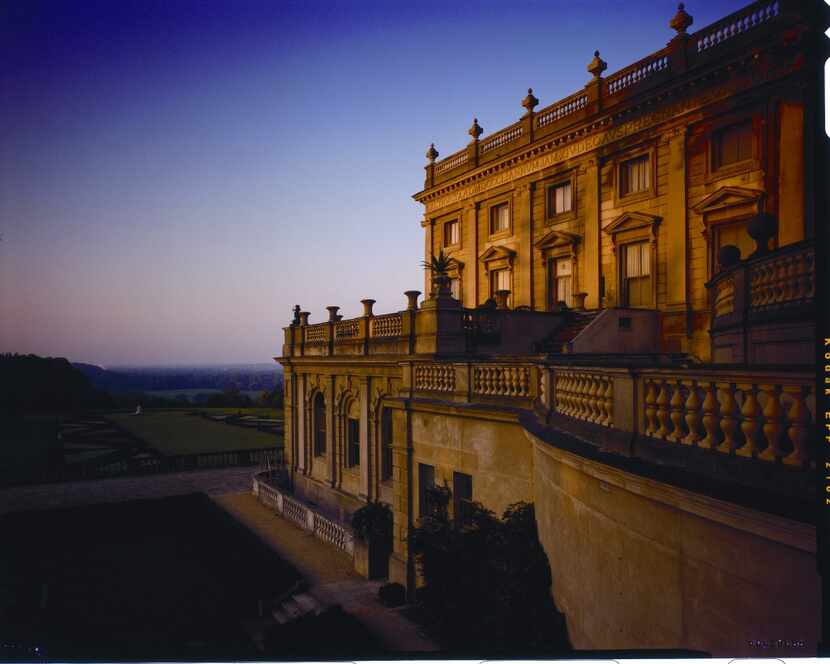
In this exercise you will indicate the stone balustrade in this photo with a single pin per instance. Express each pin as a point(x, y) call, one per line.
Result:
point(761, 416)
point(724, 297)
point(316, 333)
point(347, 329)
point(682, 55)
point(434, 377)
point(561, 109)
point(768, 415)
point(585, 395)
point(782, 277)
point(388, 325)
point(637, 72)
point(735, 24)
point(501, 380)
point(319, 525)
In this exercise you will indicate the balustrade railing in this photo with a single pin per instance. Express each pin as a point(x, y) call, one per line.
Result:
point(783, 277)
point(502, 381)
point(768, 417)
point(561, 109)
point(317, 524)
point(503, 137)
point(435, 377)
point(347, 329)
point(639, 71)
point(316, 333)
point(389, 325)
point(453, 161)
point(735, 24)
point(585, 395)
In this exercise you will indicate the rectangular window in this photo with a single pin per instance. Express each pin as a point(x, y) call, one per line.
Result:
point(426, 482)
point(561, 281)
point(462, 497)
point(500, 280)
point(636, 274)
point(736, 235)
point(499, 218)
point(353, 442)
point(455, 288)
point(635, 175)
point(386, 444)
point(732, 145)
point(559, 199)
point(451, 233)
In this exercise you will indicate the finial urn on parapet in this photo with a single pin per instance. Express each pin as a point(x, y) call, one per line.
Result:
point(432, 153)
point(530, 102)
point(681, 20)
point(597, 66)
point(476, 130)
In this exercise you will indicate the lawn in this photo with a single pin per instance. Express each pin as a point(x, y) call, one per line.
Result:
point(179, 432)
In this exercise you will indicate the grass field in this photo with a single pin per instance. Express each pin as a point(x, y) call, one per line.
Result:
point(179, 432)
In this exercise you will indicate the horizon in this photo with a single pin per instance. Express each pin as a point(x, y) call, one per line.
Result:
point(180, 176)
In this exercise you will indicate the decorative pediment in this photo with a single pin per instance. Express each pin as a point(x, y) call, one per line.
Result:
point(455, 266)
point(730, 197)
point(629, 221)
point(497, 257)
point(557, 239)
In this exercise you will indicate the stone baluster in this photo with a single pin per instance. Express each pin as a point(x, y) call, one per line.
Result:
point(608, 397)
point(729, 418)
point(750, 427)
point(592, 402)
point(567, 382)
point(693, 420)
point(663, 410)
point(676, 404)
point(772, 424)
point(651, 408)
point(710, 418)
point(798, 432)
point(582, 398)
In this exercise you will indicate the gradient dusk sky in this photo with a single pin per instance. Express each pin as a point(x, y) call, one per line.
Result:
point(175, 176)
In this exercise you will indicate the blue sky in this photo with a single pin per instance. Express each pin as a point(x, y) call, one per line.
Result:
point(175, 176)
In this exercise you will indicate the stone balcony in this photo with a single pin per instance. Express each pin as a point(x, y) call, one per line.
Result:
point(763, 308)
point(603, 99)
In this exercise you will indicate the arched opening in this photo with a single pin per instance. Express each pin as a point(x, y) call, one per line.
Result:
point(319, 415)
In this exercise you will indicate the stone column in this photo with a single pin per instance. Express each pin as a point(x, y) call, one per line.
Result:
point(791, 226)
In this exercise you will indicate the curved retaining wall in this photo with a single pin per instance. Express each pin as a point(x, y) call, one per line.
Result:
point(640, 564)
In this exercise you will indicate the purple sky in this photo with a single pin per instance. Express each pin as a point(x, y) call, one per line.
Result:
point(174, 176)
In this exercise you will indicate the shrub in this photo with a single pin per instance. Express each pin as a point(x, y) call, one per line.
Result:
point(488, 583)
point(392, 594)
point(373, 523)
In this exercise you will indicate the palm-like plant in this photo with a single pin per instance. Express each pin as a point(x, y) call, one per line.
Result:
point(439, 265)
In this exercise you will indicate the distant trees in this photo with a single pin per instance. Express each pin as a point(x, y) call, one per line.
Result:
point(29, 384)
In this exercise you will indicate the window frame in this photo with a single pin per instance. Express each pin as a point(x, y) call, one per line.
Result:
point(352, 446)
point(622, 253)
point(552, 262)
point(491, 274)
point(650, 153)
point(491, 210)
point(551, 216)
point(386, 444)
point(444, 227)
point(716, 172)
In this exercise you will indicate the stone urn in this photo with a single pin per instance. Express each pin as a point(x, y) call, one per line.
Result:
point(441, 285)
point(728, 255)
point(761, 228)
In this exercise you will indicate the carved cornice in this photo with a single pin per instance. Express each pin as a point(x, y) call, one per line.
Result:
point(727, 197)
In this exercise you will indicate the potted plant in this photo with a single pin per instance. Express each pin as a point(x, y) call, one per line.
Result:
point(439, 266)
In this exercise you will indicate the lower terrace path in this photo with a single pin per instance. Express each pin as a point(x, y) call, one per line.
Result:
point(89, 492)
point(329, 572)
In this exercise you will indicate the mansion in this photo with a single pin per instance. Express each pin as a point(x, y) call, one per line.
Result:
point(624, 335)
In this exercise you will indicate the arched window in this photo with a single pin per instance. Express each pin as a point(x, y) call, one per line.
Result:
point(386, 444)
point(319, 414)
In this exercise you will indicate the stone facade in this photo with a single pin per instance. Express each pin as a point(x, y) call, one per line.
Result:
point(596, 350)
